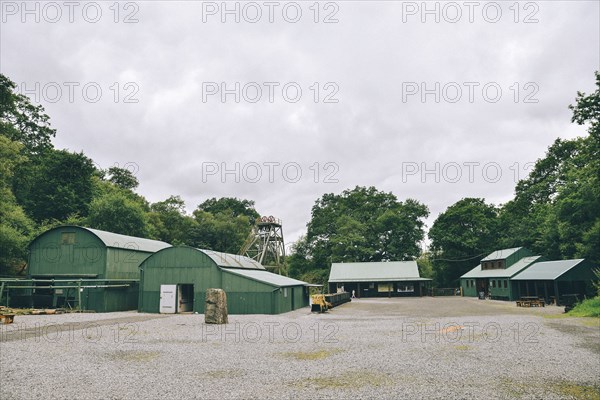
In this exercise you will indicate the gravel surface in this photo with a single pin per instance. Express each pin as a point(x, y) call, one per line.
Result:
point(371, 348)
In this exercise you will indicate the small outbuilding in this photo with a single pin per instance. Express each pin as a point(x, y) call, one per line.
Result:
point(175, 280)
point(552, 280)
point(378, 279)
point(70, 264)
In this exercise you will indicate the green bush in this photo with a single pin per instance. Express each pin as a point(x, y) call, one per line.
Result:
point(587, 308)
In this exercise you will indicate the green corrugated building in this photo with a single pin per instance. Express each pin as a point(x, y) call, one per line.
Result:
point(78, 253)
point(176, 279)
point(510, 274)
point(378, 279)
point(493, 275)
point(552, 280)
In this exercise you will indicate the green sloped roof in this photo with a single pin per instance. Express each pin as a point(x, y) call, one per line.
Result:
point(374, 271)
point(501, 254)
point(547, 270)
point(266, 277)
point(119, 241)
point(232, 260)
point(514, 269)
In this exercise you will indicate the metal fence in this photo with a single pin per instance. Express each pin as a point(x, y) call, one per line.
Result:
point(76, 285)
point(445, 292)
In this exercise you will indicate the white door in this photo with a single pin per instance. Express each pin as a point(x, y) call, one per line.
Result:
point(168, 299)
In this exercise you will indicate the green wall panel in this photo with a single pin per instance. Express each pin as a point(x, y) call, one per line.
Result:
point(470, 290)
point(184, 265)
point(48, 256)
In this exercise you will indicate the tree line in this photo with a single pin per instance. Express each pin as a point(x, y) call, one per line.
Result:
point(555, 210)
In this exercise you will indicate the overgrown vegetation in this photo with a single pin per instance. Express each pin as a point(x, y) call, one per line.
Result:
point(589, 307)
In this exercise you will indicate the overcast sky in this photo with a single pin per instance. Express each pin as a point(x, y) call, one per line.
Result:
point(433, 101)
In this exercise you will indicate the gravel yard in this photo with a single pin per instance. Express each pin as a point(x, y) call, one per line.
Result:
point(371, 348)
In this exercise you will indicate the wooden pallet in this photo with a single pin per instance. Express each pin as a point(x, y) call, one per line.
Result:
point(7, 318)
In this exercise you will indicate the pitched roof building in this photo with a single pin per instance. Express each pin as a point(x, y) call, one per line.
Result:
point(373, 279)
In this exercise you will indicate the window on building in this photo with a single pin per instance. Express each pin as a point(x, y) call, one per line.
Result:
point(67, 238)
point(493, 283)
point(284, 292)
point(505, 283)
point(385, 287)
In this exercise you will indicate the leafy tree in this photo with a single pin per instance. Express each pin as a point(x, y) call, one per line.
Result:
point(116, 212)
point(55, 185)
point(425, 265)
point(170, 222)
point(461, 236)
point(15, 227)
point(556, 208)
point(231, 206)
point(361, 224)
point(122, 178)
point(219, 232)
point(299, 260)
point(587, 109)
point(222, 224)
point(22, 121)
point(316, 276)
point(364, 224)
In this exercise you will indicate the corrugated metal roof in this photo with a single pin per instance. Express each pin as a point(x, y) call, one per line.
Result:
point(547, 270)
point(267, 277)
point(119, 241)
point(374, 271)
point(501, 254)
point(514, 269)
point(232, 260)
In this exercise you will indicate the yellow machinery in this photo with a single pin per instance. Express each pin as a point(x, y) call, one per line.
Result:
point(319, 303)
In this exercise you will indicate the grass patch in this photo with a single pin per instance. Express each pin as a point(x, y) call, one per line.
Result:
point(577, 391)
point(312, 355)
point(593, 322)
point(350, 380)
point(587, 308)
point(134, 356)
point(514, 389)
point(555, 316)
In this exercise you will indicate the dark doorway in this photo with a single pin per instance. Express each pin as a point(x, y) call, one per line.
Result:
point(482, 285)
point(185, 296)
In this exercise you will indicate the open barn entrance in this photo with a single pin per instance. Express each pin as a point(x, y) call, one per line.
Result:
point(176, 298)
point(482, 286)
point(185, 296)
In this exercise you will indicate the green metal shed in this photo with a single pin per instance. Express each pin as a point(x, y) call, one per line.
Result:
point(96, 258)
point(554, 279)
point(497, 281)
point(176, 279)
point(492, 275)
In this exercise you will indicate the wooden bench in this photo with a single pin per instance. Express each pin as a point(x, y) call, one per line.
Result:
point(530, 302)
point(8, 318)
